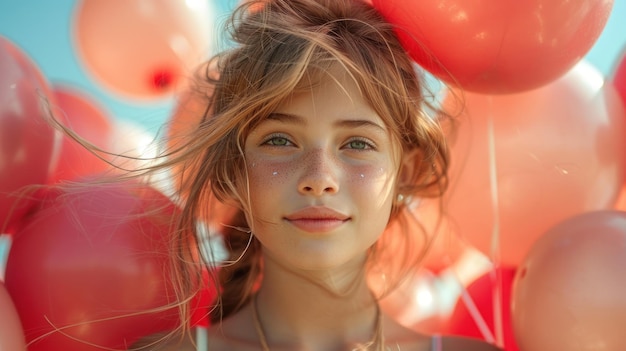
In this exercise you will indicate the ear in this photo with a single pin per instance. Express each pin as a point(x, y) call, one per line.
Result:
point(409, 172)
point(408, 175)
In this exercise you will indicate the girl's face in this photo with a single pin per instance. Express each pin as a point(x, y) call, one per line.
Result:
point(322, 176)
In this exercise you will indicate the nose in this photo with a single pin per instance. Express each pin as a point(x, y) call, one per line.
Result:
point(319, 174)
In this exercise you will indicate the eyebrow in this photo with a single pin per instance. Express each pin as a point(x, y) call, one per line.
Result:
point(346, 123)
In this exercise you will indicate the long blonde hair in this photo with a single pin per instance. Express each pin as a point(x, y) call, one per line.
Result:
point(277, 43)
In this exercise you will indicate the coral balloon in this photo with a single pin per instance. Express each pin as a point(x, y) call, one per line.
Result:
point(463, 322)
point(90, 269)
point(619, 82)
point(28, 144)
point(556, 152)
point(570, 294)
point(11, 333)
point(84, 117)
point(445, 245)
point(619, 77)
point(192, 107)
point(142, 49)
point(497, 47)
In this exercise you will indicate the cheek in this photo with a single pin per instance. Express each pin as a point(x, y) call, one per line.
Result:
point(264, 175)
point(373, 171)
point(372, 175)
point(267, 183)
point(373, 181)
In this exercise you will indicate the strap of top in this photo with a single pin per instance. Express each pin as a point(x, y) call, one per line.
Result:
point(436, 343)
point(202, 339)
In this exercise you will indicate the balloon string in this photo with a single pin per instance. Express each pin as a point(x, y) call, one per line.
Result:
point(495, 233)
point(5, 246)
point(496, 279)
point(473, 311)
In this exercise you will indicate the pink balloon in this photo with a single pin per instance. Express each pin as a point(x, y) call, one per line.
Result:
point(557, 151)
point(446, 247)
point(570, 293)
point(11, 333)
point(416, 302)
point(28, 144)
point(82, 115)
point(124, 145)
point(494, 46)
point(142, 49)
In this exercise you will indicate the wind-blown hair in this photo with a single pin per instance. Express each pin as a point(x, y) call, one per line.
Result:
point(281, 47)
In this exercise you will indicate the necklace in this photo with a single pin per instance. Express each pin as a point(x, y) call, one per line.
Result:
point(378, 327)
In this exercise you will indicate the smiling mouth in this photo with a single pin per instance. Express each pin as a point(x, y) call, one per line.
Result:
point(317, 225)
point(317, 219)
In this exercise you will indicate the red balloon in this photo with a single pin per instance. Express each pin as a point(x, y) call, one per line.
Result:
point(11, 333)
point(481, 291)
point(28, 144)
point(203, 303)
point(494, 46)
point(90, 265)
point(142, 49)
point(81, 114)
point(569, 294)
point(557, 151)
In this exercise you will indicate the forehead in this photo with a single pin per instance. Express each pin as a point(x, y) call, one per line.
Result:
point(333, 92)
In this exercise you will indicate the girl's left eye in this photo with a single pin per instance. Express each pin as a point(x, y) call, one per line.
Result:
point(277, 140)
point(360, 144)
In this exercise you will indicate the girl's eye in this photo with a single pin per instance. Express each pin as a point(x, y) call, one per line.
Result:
point(359, 144)
point(277, 141)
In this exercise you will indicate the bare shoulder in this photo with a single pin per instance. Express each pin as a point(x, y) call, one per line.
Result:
point(454, 343)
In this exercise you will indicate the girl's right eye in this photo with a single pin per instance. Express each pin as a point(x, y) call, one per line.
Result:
point(277, 140)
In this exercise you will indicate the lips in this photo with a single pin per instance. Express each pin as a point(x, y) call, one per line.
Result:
point(317, 219)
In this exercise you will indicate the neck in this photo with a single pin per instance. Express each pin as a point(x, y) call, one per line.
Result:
point(315, 310)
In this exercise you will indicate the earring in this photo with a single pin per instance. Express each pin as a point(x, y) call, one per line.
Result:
point(400, 198)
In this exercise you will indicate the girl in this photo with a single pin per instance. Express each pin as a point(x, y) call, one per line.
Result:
point(318, 133)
